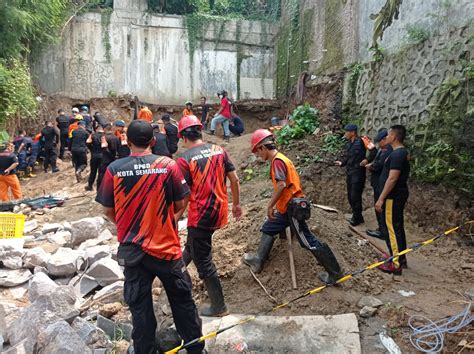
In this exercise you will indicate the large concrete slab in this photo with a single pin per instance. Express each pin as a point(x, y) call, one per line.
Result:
point(285, 334)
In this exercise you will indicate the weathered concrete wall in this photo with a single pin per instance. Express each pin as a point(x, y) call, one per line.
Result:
point(132, 51)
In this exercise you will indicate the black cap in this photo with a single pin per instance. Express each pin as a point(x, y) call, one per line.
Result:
point(350, 128)
point(140, 133)
point(81, 123)
point(166, 117)
point(381, 135)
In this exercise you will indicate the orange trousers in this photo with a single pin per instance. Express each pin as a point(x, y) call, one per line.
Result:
point(10, 182)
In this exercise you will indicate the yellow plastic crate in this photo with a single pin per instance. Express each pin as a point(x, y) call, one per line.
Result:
point(11, 225)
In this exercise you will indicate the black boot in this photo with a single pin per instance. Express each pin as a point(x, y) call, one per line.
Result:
point(356, 220)
point(214, 290)
point(226, 138)
point(211, 132)
point(326, 258)
point(256, 261)
point(374, 233)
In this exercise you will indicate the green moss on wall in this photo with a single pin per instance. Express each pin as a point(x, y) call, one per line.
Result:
point(333, 57)
point(293, 43)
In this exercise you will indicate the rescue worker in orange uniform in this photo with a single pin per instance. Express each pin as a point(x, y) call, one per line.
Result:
point(206, 168)
point(8, 178)
point(145, 114)
point(188, 110)
point(121, 133)
point(292, 209)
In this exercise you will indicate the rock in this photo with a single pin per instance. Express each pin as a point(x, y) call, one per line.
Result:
point(90, 334)
point(62, 301)
point(84, 286)
point(97, 252)
point(108, 310)
point(47, 228)
point(60, 337)
point(369, 301)
point(10, 256)
point(26, 326)
point(40, 270)
point(60, 238)
point(29, 226)
point(3, 324)
point(35, 257)
point(166, 309)
point(112, 328)
point(64, 261)
point(169, 339)
point(367, 311)
point(86, 229)
point(121, 347)
point(110, 293)
point(1, 343)
point(63, 281)
point(19, 348)
point(9, 277)
point(104, 236)
point(105, 271)
point(18, 292)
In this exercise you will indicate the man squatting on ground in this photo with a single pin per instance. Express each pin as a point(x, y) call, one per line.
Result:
point(292, 210)
point(205, 168)
point(142, 193)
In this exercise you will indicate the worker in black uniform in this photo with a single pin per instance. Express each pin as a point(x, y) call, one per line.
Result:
point(393, 198)
point(110, 151)
point(171, 133)
point(63, 122)
point(79, 149)
point(95, 144)
point(50, 136)
point(355, 180)
point(375, 164)
point(160, 145)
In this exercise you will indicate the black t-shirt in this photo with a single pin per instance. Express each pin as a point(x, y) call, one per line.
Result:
point(63, 123)
point(79, 138)
point(6, 160)
point(355, 153)
point(205, 109)
point(109, 153)
point(398, 160)
point(50, 137)
point(96, 145)
point(161, 145)
point(172, 135)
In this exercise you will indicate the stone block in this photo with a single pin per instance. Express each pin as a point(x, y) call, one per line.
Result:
point(40, 284)
point(112, 328)
point(62, 301)
point(370, 301)
point(110, 293)
point(64, 262)
point(35, 257)
point(97, 252)
point(93, 336)
point(47, 228)
point(60, 337)
point(60, 238)
point(10, 277)
point(105, 271)
point(84, 286)
point(86, 229)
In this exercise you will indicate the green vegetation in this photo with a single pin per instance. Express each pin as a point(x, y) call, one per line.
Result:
point(446, 153)
point(332, 143)
point(333, 58)
point(105, 23)
point(384, 18)
point(416, 34)
point(25, 26)
point(303, 120)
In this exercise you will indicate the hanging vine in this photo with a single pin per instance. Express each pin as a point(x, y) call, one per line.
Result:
point(105, 17)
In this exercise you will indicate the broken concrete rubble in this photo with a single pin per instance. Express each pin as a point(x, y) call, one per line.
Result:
point(110, 293)
point(83, 285)
point(35, 257)
point(65, 262)
point(62, 301)
point(48, 228)
point(86, 229)
point(11, 256)
point(97, 252)
point(60, 238)
point(60, 337)
point(93, 336)
point(105, 271)
point(370, 301)
point(9, 277)
point(40, 284)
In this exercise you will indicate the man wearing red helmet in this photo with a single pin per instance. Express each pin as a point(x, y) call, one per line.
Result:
point(292, 210)
point(206, 168)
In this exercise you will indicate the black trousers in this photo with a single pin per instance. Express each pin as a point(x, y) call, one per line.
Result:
point(95, 165)
point(50, 157)
point(198, 248)
point(374, 181)
point(355, 187)
point(177, 284)
point(79, 160)
point(393, 228)
point(64, 143)
point(102, 169)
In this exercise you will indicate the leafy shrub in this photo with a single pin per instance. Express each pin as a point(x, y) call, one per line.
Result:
point(304, 120)
point(332, 143)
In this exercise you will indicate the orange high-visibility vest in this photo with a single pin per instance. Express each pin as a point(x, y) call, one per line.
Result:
point(293, 184)
point(369, 145)
point(72, 127)
point(145, 114)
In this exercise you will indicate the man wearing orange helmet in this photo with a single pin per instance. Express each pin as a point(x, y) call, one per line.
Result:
point(293, 209)
point(206, 168)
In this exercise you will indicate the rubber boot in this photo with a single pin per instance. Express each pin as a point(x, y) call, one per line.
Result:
point(326, 258)
point(256, 261)
point(217, 308)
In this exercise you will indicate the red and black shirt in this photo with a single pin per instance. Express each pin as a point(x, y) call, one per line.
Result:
point(142, 189)
point(205, 168)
